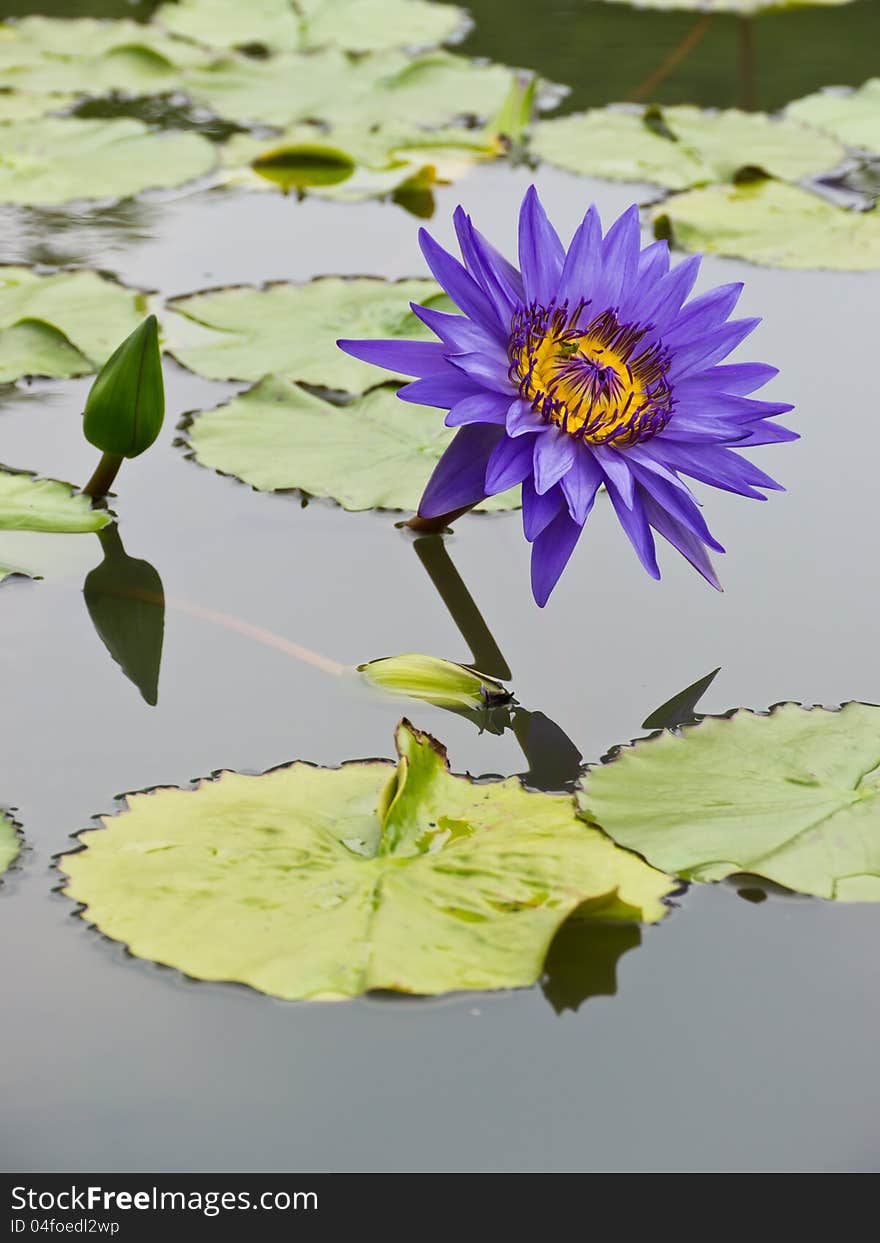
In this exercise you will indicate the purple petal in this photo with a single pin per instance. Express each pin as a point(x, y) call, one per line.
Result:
point(669, 294)
point(767, 434)
point(703, 314)
point(538, 511)
point(459, 476)
point(620, 259)
point(711, 348)
point(444, 389)
point(461, 334)
point(635, 524)
point(581, 484)
point(541, 254)
point(510, 463)
point(419, 358)
point(550, 553)
point(582, 264)
point(461, 287)
point(482, 408)
point(488, 370)
point(616, 471)
point(681, 505)
point(478, 262)
point(553, 456)
point(719, 467)
point(653, 266)
point(740, 378)
point(521, 419)
point(681, 538)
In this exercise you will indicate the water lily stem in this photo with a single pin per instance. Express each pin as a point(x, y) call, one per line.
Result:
point(105, 472)
point(431, 526)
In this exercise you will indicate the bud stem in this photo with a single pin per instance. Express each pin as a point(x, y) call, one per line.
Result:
point(105, 472)
point(440, 523)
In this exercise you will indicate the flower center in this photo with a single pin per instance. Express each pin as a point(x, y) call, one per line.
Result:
point(592, 380)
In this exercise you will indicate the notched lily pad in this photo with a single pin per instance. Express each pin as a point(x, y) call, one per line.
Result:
point(61, 325)
point(375, 452)
point(853, 117)
point(61, 159)
point(244, 333)
point(279, 25)
point(326, 883)
point(10, 841)
point(771, 223)
point(792, 796)
point(682, 146)
point(39, 505)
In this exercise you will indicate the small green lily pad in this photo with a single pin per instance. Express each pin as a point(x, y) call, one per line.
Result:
point(771, 223)
point(853, 117)
point(60, 159)
point(61, 325)
point(10, 842)
point(243, 333)
point(792, 796)
point(310, 882)
point(376, 452)
point(356, 25)
point(682, 146)
point(31, 504)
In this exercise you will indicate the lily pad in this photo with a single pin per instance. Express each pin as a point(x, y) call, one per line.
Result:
point(61, 325)
point(376, 452)
point(771, 223)
point(17, 106)
point(792, 796)
point(31, 504)
point(56, 160)
point(682, 146)
point(353, 163)
point(356, 25)
point(435, 88)
point(10, 842)
point(325, 883)
point(853, 117)
point(243, 333)
point(745, 8)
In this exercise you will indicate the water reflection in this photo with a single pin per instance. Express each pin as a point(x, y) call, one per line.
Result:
point(582, 961)
point(681, 709)
point(126, 602)
point(64, 236)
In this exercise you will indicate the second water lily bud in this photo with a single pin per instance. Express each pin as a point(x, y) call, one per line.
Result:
point(439, 682)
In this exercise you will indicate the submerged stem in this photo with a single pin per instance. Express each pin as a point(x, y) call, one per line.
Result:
point(105, 472)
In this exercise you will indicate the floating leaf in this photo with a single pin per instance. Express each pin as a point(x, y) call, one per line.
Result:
point(683, 146)
point(126, 602)
point(244, 333)
point(356, 25)
point(56, 160)
point(376, 452)
point(772, 223)
point(126, 403)
point(10, 842)
point(337, 881)
point(853, 117)
point(61, 325)
point(745, 8)
point(31, 504)
point(432, 89)
point(16, 106)
point(792, 796)
point(351, 162)
point(439, 682)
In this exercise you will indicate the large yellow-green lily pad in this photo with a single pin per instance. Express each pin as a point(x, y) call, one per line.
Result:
point(434, 88)
point(792, 796)
point(243, 333)
point(283, 26)
point(62, 325)
point(772, 223)
point(853, 117)
point(375, 452)
point(60, 159)
point(311, 882)
point(682, 146)
point(10, 842)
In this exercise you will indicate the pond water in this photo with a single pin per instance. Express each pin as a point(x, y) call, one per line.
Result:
point(741, 1034)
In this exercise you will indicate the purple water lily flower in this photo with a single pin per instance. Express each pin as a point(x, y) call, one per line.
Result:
point(585, 367)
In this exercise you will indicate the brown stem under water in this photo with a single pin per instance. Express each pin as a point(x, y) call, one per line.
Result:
point(688, 43)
